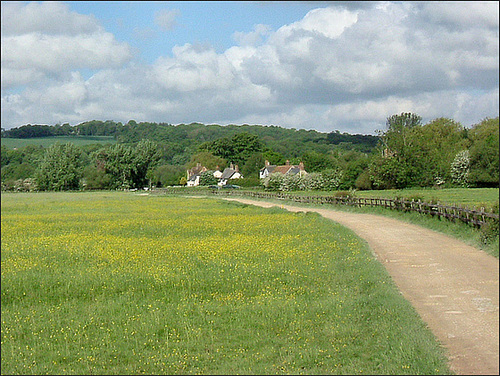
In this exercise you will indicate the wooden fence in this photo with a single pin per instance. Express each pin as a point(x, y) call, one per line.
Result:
point(476, 218)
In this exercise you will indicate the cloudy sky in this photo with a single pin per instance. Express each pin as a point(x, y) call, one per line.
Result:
point(320, 65)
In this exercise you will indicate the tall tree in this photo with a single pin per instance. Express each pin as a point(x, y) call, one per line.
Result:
point(484, 153)
point(146, 157)
point(118, 161)
point(60, 169)
point(397, 137)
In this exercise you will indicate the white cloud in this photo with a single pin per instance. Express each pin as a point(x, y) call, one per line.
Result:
point(330, 22)
point(254, 37)
point(166, 18)
point(45, 40)
point(45, 17)
point(194, 68)
point(340, 67)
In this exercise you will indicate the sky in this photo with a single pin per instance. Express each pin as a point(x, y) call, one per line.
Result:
point(327, 66)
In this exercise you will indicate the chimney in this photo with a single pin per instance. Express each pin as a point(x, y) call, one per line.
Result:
point(231, 166)
point(301, 165)
point(217, 168)
point(287, 162)
point(236, 168)
point(266, 163)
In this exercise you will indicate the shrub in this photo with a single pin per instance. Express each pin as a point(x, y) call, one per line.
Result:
point(208, 178)
point(274, 181)
point(290, 183)
point(330, 179)
point(363, 181)
point(460, 168)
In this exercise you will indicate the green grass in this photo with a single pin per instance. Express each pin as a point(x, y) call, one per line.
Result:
point(473, 198)
point(48, 141)
point(119, 283)
point(465, 197)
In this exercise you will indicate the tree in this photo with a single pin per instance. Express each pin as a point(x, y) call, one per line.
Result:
point(208, 160)
point(397, 138)
point(244, 145)
point(274, 181)
point(96, 178)
point(484, 153)
point(60, 169)
point(389, 173)
point(317, 162)
point(330, 179)
point(253, 165)
point(145, 158)
point(130, 167)
point(435, 146)
point(274, 157)
point(118, 161)
point(236, 149)
point(166, 175)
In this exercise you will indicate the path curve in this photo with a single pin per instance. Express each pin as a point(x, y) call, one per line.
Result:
point(453, 286)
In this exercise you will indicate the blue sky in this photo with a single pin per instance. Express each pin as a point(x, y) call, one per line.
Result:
point(212, 22)
point(307, 65)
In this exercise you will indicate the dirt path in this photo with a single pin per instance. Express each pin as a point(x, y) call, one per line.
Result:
point(453, 286)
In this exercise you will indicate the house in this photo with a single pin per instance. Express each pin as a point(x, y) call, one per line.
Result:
point(231, 172)
point(194, 180)
point(196, 170)
point(217, 173)
point(194, 174)
point(286, 169)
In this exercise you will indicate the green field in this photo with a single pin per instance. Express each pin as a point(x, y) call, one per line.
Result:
point(465, 197)
point(123, 283)
point(47, 141)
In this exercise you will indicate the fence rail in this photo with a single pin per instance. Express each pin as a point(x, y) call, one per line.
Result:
point(476, 218)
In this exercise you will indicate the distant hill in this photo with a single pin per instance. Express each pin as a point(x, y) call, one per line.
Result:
point(187, 137)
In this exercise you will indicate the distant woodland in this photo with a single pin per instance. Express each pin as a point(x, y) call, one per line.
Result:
point(407, 153)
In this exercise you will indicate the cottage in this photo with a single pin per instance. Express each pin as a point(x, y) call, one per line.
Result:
point(196, 170)
point(286, 169)
point(217, 173)
point(231, 172)
point(194, 174)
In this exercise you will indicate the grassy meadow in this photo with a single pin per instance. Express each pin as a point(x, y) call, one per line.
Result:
point(123, 283)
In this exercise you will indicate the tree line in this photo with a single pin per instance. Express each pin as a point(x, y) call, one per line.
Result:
point(407, 153)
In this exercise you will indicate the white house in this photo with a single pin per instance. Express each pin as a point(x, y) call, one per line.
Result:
point(284, 169)
point(231, 172)
point(193, 174)
point(217, 173)
point(194, 180)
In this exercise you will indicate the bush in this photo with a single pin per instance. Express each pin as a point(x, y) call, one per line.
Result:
point(208, 178)
point(460, 168)
point(363, 182)
point(273, 182)
point(330, 179)
point(246, 182)
point(290, 183)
